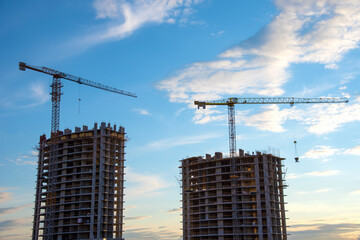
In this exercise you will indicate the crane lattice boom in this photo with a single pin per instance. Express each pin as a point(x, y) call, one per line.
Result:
point(57, 85)
point(58, 74)
point(274, 100)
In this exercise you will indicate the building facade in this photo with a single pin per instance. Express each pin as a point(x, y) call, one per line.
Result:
point(223, 204)
point(80, 183)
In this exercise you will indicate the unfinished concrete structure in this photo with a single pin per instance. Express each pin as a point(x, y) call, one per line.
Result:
point(247, 203)
point(80, 182)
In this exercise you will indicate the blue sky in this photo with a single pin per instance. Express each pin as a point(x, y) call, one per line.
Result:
point(170, 53)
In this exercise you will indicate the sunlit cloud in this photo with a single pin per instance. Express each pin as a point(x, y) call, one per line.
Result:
point(315, 191)
point(340, 231)
point(163, 233)
point(356, 192)
point(10, 210)
point(174, 210)
point(124, 17)
point(5, 196)
point(321, 152)
point(144, 185)
point(353, 151)
point(292, 176)
point(137, 218)
point(323, 173)
point(317, 32)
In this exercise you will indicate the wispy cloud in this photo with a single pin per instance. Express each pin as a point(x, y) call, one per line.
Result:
point(323, 173)
point(141, 111)
point(356, 192)
point(217, 34)
point(137, 218)
point(9, 210)
point(130, 207)
point(340, 231)
point(5, 196)
point(135, 233)
point(144, 185)
point(174, 142)
point(321, 152)
point(292, 176)
point(174, 210)
point(317, 32)
point(25, 159)
point(125, 17)
point(315, 191)
point(35, 94)
point(353, 151)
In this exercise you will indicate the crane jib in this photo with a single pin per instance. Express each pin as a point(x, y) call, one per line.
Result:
point(56, 90)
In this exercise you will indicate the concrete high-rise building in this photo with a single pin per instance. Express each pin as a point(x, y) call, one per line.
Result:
point(220, 203)
point(80, 183)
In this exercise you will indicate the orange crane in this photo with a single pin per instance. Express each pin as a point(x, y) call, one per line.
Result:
point(57, 85)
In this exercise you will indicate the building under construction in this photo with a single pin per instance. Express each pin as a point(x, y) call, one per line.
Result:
point(80, 182)
point(246, 203)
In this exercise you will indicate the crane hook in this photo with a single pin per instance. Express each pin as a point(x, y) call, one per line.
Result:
point(296, 152)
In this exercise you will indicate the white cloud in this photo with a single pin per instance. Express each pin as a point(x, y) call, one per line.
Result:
point(323, 173)
point(137, 218)
point(308, 31)
point(141, 111)
point(144, 185)
point(174, 142)
point(26, 159)
point(217, 34)
point(325, 118)
point(174, 210)
point(356, 192)
point(21, 162)
point(353, 151)
point(35, 94)
point(321, 152)
point(270, 119)
point(128, 16)
point(292, 176)
point(5, 196)
point(317, 118)
point(315, 191)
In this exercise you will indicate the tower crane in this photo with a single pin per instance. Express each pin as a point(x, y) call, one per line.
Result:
point(55, 118)
point(230, 102)
point(57, 85)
